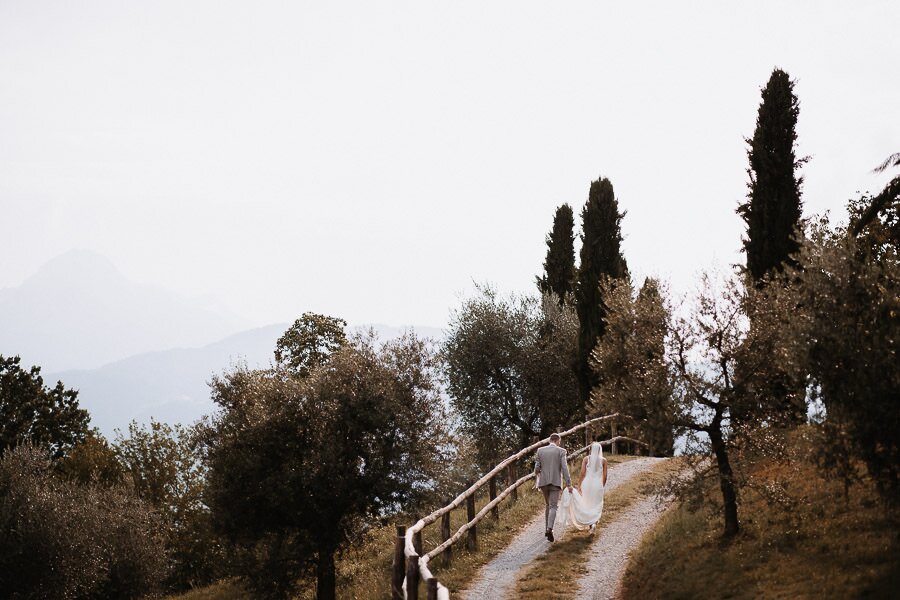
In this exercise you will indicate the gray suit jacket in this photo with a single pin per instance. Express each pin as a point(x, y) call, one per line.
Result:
point(551, 466)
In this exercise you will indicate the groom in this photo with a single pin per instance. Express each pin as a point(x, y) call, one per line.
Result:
point(550, 467)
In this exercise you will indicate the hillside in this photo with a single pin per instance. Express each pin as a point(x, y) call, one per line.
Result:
point(802, 539)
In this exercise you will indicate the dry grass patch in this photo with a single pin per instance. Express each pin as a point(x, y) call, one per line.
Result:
point(821, 547)
point(555, 575)
point(222, 590)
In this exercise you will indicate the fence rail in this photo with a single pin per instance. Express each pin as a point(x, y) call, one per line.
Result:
point(410, 568)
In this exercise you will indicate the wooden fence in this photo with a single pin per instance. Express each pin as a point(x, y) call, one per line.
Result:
point(410, 566)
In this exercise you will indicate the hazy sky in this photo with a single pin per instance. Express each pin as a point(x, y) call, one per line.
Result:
point(370, 160)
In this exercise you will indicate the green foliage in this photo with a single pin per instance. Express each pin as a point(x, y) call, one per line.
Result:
point(629, 362)
point(601, 258)
point(877, 233)
point(32, 412)
point(772, 215)
point(847, 330)
point(164, 467)
point(299, 466)
point(552, 380)
point(773, 208)
point(162, 464)
point(92, 461)
point(507, 364)
point(881, 211)
point(309, 342)
point(61, 539)
point(559, 266)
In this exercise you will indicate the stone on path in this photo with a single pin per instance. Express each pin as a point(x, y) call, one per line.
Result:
point(615, 542)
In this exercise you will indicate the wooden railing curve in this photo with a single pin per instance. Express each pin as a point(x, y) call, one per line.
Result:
point(410, 568)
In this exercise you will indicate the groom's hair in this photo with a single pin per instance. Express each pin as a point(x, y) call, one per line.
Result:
point(554, 437)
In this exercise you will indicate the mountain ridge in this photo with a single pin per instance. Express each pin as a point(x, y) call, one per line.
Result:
point(79, 311)
point(172, 385)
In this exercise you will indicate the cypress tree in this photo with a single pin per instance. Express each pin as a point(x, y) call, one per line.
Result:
point(773, 207)
point(772, 214)
point(559, 266)
point(601, 258)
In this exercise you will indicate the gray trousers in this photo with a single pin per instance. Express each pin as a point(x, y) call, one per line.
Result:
point(551, 499)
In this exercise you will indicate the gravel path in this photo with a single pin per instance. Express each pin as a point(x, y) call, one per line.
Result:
point(615, 542)
point(497, 578)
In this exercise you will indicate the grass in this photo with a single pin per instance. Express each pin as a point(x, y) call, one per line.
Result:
point(555, 574)
point(222, 590)
point(819, 547)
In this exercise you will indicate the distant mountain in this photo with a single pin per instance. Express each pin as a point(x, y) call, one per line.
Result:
point(169, 385)
point(78, 311)
point(172, 385)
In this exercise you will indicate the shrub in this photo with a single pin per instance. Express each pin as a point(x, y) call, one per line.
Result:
point(61, 539)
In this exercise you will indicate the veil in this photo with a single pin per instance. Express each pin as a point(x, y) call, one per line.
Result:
point(583, 509)
point(595, 462)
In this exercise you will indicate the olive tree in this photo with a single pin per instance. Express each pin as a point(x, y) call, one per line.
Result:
point(163, 464)
point(508, 367)
point(723, 367)
point(309, 342)
point(300, 465)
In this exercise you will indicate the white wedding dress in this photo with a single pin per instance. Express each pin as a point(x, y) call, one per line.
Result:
point(583, 509)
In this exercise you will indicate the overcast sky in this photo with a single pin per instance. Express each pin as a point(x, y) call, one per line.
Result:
point(370, 160)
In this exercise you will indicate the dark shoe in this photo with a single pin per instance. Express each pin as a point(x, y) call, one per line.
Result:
point(550, 535)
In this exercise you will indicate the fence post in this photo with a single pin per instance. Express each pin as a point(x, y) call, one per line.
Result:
point(431, 586)
point(399, 564)
point(587, 436)
point(615, 445)
point(445, 535)
point(471, 540)
point(412, 577)
point(492, 494)
point(513, 475)
point(417, 537)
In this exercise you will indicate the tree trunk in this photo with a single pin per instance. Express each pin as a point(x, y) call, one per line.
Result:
point(325, 575)
point(492, 495)
point(726, 481)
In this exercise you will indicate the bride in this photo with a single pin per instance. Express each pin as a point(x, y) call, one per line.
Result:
point(583, 507)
